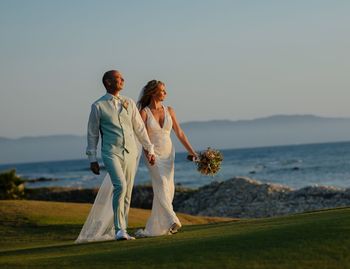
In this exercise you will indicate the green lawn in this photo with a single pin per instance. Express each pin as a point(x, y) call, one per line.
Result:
point(35, 237)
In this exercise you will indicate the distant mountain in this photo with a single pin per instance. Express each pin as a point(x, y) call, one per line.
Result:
point(220, 134)
point(4, 139)
point(42, 148)
point(276, 119)
point(268, 131)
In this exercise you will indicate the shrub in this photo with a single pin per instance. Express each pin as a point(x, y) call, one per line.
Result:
point(11, 186)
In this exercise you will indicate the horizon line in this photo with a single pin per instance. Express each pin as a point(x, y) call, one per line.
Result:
point(184, 152)
point(194, 121)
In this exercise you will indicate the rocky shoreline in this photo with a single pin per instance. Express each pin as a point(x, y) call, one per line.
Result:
point(142, 195)
point(244, 197)
point(239, 197)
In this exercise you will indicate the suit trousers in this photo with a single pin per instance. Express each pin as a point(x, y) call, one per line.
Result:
point(122, 171)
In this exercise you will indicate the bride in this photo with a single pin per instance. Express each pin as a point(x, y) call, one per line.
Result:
point(159, 121)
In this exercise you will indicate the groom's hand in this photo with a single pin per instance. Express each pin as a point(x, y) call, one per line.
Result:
point(151, 159)
point(95, 168)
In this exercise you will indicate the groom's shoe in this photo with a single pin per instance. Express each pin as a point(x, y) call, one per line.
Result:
point(123, 235)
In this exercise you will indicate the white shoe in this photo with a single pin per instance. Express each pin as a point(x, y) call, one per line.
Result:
point(123, 235)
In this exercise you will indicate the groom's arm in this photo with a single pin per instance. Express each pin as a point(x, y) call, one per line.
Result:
point(93, 134)
point(140, 129)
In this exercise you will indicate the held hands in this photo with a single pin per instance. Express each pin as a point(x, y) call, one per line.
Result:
point(95, 168)
point(151, 159)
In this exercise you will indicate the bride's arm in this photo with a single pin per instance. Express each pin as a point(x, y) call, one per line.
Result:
point(180, 133)
point(144, 118)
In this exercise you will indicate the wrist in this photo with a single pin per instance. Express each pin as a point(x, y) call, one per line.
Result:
point(92, 158)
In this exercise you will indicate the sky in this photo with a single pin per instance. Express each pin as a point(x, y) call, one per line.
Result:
point(219, 59)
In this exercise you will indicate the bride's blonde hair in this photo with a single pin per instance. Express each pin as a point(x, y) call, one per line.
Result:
point(151, 88)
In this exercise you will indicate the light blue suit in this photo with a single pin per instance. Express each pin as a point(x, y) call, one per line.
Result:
point(117, 120)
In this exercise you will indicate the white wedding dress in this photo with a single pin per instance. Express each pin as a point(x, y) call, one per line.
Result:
point(162, 175)
point(99, 223)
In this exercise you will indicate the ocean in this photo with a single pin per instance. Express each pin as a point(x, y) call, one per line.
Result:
point(296, 166)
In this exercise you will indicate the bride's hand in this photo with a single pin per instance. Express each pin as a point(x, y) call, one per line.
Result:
point(192, 157)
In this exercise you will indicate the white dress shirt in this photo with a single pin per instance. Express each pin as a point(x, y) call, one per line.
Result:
point(93, 132)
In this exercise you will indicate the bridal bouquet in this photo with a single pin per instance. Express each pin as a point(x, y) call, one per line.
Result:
point(209, 162)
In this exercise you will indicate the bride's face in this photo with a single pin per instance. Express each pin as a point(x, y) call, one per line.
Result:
point(161, 93)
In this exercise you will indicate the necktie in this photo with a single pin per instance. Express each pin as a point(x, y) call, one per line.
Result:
point(116, 99)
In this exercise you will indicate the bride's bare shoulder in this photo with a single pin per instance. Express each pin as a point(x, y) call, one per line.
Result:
point(171, 110)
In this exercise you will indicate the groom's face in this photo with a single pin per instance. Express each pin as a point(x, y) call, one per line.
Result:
point(116, 81)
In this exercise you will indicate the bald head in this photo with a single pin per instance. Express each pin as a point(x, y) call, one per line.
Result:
point(113, 81)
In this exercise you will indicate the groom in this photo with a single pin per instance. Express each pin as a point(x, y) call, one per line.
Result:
point(117, 119)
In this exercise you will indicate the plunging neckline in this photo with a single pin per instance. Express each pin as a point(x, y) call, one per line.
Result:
point(160, 126)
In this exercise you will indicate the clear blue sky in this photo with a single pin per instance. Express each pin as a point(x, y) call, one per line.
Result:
point(219, 59)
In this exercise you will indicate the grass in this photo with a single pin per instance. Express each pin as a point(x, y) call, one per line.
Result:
point(26, 224)
point(41, 234)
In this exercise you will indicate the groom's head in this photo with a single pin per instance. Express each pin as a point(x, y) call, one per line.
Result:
point(113, 81)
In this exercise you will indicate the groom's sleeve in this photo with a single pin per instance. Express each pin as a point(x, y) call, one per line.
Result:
point(140, 129)
point(93, 134)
